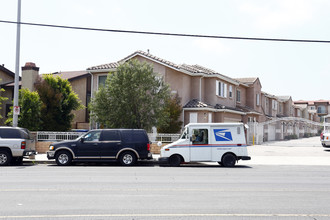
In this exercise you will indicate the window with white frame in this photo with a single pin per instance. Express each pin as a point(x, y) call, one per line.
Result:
point(238, 95)
point(221, 89)
point(230, 91)
point(258, 99)
point(274, 104)
point(101, 80)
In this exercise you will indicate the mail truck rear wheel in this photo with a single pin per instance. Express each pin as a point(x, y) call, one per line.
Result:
point(175, 160)
point(228, 160)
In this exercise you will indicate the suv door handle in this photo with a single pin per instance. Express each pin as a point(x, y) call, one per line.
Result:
point(95, 144)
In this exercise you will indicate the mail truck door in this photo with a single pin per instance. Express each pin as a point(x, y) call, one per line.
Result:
point(200, 150)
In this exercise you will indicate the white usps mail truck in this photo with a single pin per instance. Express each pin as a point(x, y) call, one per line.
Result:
point(224, 143)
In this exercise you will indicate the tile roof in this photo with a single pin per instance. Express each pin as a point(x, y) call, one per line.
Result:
point(191, 69)
point(247, 80)
point(104, 66)
point(195, 103)
point(284, 98)
point(71, 75)
point(248, 110)
point(4, 69)
point(147, 54)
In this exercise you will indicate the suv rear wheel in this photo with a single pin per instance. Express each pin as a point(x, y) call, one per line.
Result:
point(127, 158)
point(63, 158)
point(5, 157)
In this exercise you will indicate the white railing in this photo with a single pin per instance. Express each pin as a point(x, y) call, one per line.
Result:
point(164, 138)
point(57, 136)
point(61, 136)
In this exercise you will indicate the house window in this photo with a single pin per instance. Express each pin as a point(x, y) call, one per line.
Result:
point(101, 80)
point(193, 117)
point(258, 99)
point(238, 95)
point(274, 103)
point(221, 89)
point(230, 91)
point(321, 109)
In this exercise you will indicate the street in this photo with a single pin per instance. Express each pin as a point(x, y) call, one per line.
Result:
point(148, 191)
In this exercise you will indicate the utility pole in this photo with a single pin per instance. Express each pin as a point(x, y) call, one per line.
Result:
point(16, 109)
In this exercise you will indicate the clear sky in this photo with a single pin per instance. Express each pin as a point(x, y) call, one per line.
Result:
point(301, 70)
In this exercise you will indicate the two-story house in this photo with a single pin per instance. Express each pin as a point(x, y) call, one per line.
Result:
point(206, 95)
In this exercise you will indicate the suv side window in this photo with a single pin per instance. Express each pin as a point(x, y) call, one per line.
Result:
point(92, 136)
point(10, 133)
point(110, 135)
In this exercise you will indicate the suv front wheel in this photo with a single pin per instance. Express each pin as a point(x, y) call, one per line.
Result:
point(63, 158)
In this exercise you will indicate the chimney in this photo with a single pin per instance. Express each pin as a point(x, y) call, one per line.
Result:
point(30, 73)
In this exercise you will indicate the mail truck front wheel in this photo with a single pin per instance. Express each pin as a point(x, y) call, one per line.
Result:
point(228, 160)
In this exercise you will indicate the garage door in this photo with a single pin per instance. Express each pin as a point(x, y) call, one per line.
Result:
point(231, 120)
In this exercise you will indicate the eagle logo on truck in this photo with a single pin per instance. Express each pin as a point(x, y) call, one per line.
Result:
point(222, 135)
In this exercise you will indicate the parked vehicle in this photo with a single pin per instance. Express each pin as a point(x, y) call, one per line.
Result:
point(325, 135)
point(123, 145)
point(15, 143)
point(224, 143)
point(325, 139)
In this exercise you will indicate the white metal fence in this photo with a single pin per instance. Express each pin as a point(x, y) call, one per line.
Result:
point(57, 136)
point(61, 136)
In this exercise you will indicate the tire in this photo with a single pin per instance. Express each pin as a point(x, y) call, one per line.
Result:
point(17, 161)
point(127, 158)
point(63, 158)
point(228, 160)
point(5, 158)
point(175, 160)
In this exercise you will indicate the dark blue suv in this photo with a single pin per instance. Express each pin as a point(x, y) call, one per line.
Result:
point(123, 145)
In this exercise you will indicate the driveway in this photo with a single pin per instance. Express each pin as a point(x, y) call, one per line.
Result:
point(305, 151)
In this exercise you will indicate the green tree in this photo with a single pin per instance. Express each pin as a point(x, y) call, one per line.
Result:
point(30, 110)
point(2, 98)
point(173, 109)
point(58, 101)
point(133, 97)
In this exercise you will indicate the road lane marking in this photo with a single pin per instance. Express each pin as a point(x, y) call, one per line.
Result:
point(162, 190)
point(163, 215)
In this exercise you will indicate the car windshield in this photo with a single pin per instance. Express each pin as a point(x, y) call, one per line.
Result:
point(185, 133)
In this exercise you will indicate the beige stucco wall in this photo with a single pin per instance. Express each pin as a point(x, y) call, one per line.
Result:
point(5, 78)
point(29, 77)
point(210, 97)
point(243, 95)
point(79, 86)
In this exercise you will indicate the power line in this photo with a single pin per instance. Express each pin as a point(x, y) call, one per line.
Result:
point(168, 34)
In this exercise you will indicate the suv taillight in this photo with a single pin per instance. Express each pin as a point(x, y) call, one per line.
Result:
point(23, 145)
point(148, 146)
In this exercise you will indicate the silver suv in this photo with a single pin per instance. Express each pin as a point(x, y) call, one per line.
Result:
point(15, 143)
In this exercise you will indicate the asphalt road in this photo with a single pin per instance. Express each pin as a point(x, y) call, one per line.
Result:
point(284, 180)
point(196, 191)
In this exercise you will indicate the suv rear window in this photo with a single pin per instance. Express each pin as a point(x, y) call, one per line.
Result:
point(136, 136)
